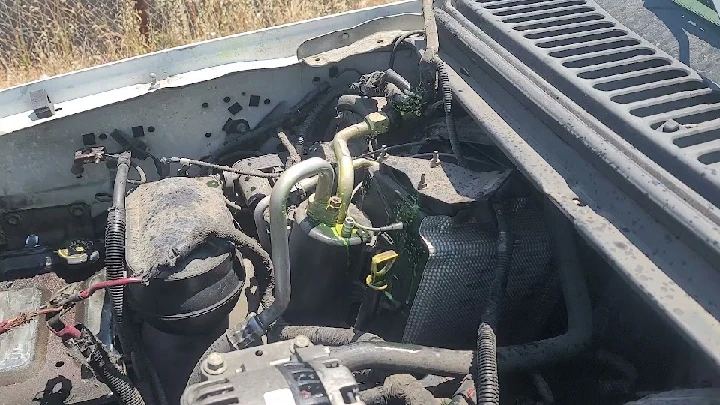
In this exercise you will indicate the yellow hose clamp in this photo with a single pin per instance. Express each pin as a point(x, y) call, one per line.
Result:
point(376, 279)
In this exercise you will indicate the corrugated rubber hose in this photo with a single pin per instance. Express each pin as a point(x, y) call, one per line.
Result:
point(115, 235)
point(487, 381)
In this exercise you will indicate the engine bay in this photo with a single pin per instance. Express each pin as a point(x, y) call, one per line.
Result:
point(367, 244)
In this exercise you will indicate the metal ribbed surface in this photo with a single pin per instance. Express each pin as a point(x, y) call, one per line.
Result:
point(460, 270)
point(630, 85)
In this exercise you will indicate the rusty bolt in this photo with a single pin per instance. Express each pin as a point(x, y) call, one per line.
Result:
point(77, 210)
point(334, 202)
point(422, 183)
point(435, 161)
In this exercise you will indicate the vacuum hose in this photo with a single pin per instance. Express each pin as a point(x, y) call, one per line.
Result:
point(115, 235)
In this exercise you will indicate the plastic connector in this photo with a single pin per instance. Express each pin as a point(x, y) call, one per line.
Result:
point(241, 338)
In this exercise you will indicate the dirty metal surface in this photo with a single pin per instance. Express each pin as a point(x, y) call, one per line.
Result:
point(53, 377)
point(443, 182)
point(53, 225)
point(249, 47)
point(670, 200)
point(366, 37)
point(648, 98)
point(661, 268)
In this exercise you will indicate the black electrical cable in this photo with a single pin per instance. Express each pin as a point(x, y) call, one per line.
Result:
point(104, 369)
point(444, 82)
point(115, 235)
point(487, 381)
point(311, 119)
point(145, 370)
point(399, 41)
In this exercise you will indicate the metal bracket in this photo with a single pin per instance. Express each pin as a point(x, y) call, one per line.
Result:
point(41, 104)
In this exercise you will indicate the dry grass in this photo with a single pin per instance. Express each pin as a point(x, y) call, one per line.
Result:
point(49, 37)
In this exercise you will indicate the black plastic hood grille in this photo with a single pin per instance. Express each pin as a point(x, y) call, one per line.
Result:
point(629, 84)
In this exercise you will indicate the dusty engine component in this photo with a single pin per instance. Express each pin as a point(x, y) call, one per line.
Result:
point(253, 189)
point(177, 240)
point(288, 372)
point(321, 257)
point(464, 253)
point(36, 241)
point(442, 188)
point(448, 216)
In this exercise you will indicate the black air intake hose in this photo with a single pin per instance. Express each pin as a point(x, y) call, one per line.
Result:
point(115, 235)
point(487, 382)
point(444, 83)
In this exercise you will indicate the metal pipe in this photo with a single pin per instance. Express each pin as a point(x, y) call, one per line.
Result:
point(307, 185)
point(278, 230)
point(260, 223)
point(375, 123)
point(527, 356)
point(346, 171)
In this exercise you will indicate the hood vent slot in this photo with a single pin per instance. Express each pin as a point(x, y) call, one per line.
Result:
point(612, 72)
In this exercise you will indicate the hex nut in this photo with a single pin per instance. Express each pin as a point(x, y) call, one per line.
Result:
point(77, 210)
point(301, 341)
point(334, 202)
point(377, 122)
point(214, 364)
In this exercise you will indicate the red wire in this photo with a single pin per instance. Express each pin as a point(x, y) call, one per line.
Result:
point(109, 283)
point(23, 318)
